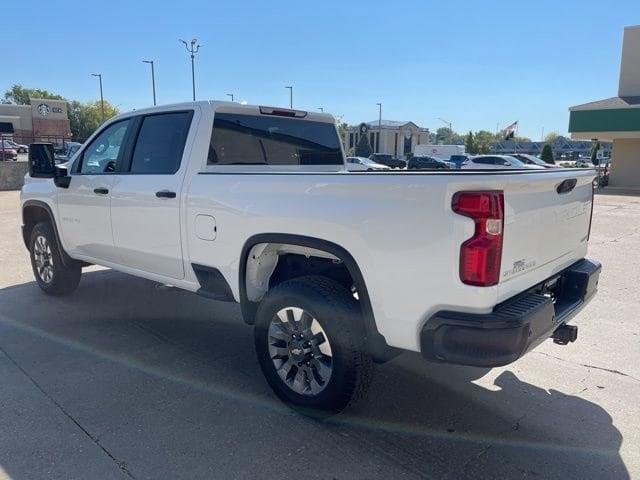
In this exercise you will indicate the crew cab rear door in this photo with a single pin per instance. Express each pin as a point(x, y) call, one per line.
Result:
point(146, 196)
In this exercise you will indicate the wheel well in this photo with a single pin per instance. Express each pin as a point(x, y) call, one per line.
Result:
point(269, 264)
point(32, 215)
point(271, 258)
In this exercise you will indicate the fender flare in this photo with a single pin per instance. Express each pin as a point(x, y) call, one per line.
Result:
point(377, 344)
point(66, 259)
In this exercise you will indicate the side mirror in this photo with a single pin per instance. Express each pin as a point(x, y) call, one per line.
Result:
point(41, 161)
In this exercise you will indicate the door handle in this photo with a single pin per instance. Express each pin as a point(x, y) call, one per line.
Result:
point(165, 194)
point(101, 191)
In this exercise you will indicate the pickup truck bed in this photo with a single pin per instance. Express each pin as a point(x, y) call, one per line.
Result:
point(254, 205)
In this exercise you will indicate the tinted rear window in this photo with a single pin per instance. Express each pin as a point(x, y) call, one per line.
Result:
point(160, 143)
point(268, 140)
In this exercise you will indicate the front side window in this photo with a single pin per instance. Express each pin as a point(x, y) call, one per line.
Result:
point(270, 140)
point(103, 154)
point(160, 143)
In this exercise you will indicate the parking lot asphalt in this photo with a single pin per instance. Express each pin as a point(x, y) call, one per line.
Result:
point(126, 379)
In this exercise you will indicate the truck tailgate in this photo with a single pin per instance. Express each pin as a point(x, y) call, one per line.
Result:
point(546, 227)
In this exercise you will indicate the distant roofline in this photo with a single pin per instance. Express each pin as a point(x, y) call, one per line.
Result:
point(610, 103)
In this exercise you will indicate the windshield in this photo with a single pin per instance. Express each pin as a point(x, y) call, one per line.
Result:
point(515, 162)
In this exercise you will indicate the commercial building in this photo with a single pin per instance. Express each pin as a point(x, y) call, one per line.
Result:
point(617, 118)
point(393, 137)
point(43, 120)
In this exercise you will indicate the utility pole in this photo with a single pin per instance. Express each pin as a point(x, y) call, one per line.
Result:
point(379, 127)
point(290, 97)
point(153, 79)
point(99, 75)
point(192, 47)
point(230, 95)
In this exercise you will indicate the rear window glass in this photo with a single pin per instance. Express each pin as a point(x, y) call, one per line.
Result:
point(269, 140)
point(160, 143)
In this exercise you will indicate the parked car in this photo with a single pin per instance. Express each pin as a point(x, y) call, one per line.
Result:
point(359, 164)
point(427, 163)
point(584, 163)
point(251, 204)
point(388, 160)
point(532, 160)
point(566, 163)
point(17, 146)
point(493, 162)
point(7, 152)
point(66, 151)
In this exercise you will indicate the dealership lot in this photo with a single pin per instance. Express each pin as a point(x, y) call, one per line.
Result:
point(125, 379)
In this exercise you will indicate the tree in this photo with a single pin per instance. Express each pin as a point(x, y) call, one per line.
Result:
point(547, 154)
point(469, 143)
point(20, 95)
point(594, 152)
point(363, 149)
point(483, 141)
point(551, 136)
point(85, 118)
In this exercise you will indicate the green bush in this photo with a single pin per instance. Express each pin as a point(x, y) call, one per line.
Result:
point(547, 154)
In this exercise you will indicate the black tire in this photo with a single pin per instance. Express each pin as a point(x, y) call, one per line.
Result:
point(338, 314)
point(53, 276)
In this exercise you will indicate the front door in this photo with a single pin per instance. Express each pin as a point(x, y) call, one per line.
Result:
point(84, 207)
point(146, 196)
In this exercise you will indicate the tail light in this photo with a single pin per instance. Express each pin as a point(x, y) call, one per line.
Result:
point(480, 256)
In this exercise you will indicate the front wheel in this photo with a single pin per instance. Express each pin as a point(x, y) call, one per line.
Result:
point(309, 341)
point(52, 275)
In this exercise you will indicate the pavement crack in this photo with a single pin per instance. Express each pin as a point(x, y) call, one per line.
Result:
point(595, 367)
point(120, 464)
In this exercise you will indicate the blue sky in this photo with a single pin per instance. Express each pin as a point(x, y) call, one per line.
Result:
point(476, 63)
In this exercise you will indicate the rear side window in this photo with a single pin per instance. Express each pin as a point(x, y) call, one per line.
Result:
point(160, 143)
point(269, 140)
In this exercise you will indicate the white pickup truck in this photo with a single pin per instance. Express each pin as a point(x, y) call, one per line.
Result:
point(335, 269)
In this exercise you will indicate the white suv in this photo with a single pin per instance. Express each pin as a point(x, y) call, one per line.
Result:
point(495, 162)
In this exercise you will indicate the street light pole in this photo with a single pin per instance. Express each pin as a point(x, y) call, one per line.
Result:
point(290, 97)
point(321, 109)
point(446, 122)
point(99, 75)
point(192, 47)
point(379, 127)
point(230, 95)
point(153, 79)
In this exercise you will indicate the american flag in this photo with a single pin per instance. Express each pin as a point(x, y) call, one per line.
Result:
point(510, 131)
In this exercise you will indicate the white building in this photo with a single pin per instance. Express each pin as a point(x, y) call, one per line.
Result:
point(390, 136)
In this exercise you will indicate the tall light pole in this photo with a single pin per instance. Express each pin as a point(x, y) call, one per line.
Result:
point(321, 109)
point(447, 123)
point(192, 47)
point(290, 96)
point(230, 95)
point(379, 127)
point(99, 75)
point(153, 79)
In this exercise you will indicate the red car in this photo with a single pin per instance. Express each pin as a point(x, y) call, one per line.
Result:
point(8, 153)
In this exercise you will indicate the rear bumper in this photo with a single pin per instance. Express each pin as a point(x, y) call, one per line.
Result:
point(515, 326)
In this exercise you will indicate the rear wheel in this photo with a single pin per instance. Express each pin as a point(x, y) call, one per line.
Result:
point(309, 343)
point(52, 275)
